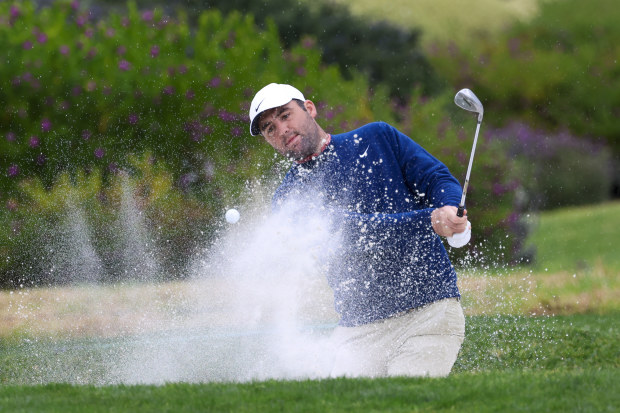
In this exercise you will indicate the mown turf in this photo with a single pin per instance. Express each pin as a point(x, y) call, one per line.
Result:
point(562, 363)
point(580, 390)
point(573, 239)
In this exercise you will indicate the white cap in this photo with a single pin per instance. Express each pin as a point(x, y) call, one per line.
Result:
point(271, 96)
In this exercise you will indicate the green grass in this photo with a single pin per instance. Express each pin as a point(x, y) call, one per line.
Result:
point(578, 238)
point(584, 391)
point(447, 20)
point(566, 363)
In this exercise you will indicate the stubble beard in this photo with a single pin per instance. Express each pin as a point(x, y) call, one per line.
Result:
point(308, 143)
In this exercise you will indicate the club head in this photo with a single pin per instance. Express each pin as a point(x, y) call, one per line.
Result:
point(466, 99)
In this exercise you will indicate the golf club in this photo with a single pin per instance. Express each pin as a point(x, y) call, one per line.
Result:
point(466, 99)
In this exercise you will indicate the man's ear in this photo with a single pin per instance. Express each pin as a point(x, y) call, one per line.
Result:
point(309, 105)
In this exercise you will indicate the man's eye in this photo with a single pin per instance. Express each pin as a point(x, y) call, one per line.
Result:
point(285, 115)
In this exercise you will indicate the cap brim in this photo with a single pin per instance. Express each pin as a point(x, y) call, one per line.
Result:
point(267, 105)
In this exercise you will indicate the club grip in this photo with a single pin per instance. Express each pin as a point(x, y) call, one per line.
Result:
point(460, 211)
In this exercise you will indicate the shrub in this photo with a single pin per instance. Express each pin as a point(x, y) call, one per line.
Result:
point(140, 117)
point(84, 93)
point(557, 169)
point(138, 226)
point(387, 54)
point(557, 71)
point(86, 96)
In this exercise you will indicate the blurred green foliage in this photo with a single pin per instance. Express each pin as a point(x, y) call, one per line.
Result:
point(556, 169)
point(385, 53)
point(84, 230)
point(558, 71)
point(142, 112)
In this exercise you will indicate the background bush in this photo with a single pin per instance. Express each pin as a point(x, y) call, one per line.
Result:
point(141, 107)
point(556, 169)
point(557, 71)
point(387, 54)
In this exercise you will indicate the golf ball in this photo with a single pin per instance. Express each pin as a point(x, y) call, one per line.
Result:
point(232, 216)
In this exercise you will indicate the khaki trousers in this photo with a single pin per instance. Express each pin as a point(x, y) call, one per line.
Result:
point(421, 342)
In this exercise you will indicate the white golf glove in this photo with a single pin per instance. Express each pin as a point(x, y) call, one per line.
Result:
point(461, 239)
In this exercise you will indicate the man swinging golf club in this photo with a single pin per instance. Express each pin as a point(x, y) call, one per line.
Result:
point(394, 286)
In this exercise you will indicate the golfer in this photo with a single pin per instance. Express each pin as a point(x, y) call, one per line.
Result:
point(394, 286)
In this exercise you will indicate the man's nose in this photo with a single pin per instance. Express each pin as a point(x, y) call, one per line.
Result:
point(281, 128)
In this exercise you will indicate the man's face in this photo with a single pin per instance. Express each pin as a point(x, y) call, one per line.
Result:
point(291, 130)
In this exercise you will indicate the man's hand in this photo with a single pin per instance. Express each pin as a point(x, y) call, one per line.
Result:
point(446, 223)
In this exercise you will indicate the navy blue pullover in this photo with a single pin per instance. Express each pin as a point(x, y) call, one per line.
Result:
point(382, 187)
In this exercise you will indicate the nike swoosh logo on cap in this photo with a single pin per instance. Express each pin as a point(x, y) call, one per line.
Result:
point(258, 106)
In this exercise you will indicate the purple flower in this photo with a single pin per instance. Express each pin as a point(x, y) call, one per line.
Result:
point(236, 131)
point(498, 189)
point(113, 167)
point(81, 20)
point(10, 137)
point(41, 159)
point(34, 141)
point(14, 12)
point(64, 49)
point(89, 33)
point(227, 116)
point(92, 52)
point(215, 82)
point(46, 125)
point(27, 45)
point(301, 71)
point(187, 179)
point(169, 90)
point(147, 16)
point(12, 171)
point(308, 42)
point(154, 51)
point(76, 91)
point(182, 69)
point(189, 95)
point(86, 134)
point(75, 5)
point(41, 38)
point(99, 153)
point(124, 65)
point(91, 85)
point(110, 32)
point(133, 118)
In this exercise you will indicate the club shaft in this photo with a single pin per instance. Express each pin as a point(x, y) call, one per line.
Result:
point(471, 161)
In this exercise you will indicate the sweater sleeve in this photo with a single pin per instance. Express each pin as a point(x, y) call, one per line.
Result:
point(424, 174)
point(417, 220)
